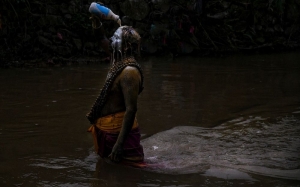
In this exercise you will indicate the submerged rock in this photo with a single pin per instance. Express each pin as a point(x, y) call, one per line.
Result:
point(242, 145)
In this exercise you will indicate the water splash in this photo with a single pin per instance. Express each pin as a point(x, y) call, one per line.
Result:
point(122, 43)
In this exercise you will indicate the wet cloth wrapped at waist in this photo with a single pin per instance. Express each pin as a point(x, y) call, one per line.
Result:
point(113, 123)
point(105, 133)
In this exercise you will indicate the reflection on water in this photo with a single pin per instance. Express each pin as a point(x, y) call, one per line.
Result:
point(205, 121)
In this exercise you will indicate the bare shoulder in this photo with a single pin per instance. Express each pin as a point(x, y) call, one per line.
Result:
point(130, 71)
point(130, 76)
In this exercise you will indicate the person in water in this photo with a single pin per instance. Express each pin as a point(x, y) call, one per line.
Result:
point(113, 116)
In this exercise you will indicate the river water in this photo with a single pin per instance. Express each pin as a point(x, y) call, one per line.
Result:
point(231, 121)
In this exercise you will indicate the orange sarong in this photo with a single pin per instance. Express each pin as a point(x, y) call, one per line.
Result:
point(105, 133)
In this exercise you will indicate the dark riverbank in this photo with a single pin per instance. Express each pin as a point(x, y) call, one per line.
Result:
point(60, 32)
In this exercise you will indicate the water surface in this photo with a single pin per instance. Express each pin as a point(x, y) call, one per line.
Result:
point(228, 121)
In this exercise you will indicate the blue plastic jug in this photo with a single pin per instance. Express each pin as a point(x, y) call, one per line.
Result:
point(103, 12)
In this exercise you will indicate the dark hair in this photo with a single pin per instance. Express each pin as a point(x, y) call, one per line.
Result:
point(125, 42)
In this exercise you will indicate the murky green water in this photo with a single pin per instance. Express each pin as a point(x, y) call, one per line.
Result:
point(231, 121)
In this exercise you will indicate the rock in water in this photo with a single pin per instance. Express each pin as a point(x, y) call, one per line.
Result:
point(243, 144)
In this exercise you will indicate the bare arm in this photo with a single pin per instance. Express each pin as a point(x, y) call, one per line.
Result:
point(130, 84)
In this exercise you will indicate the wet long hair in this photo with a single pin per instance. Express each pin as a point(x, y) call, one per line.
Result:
point(125, 43)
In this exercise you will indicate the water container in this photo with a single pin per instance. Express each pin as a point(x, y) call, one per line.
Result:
point(103, 12)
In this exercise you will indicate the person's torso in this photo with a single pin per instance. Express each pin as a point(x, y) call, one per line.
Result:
point(115, 100)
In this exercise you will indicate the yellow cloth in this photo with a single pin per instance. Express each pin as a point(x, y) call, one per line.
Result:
point(111, 123)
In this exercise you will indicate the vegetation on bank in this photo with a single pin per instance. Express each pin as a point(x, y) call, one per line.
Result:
point(54, 29)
